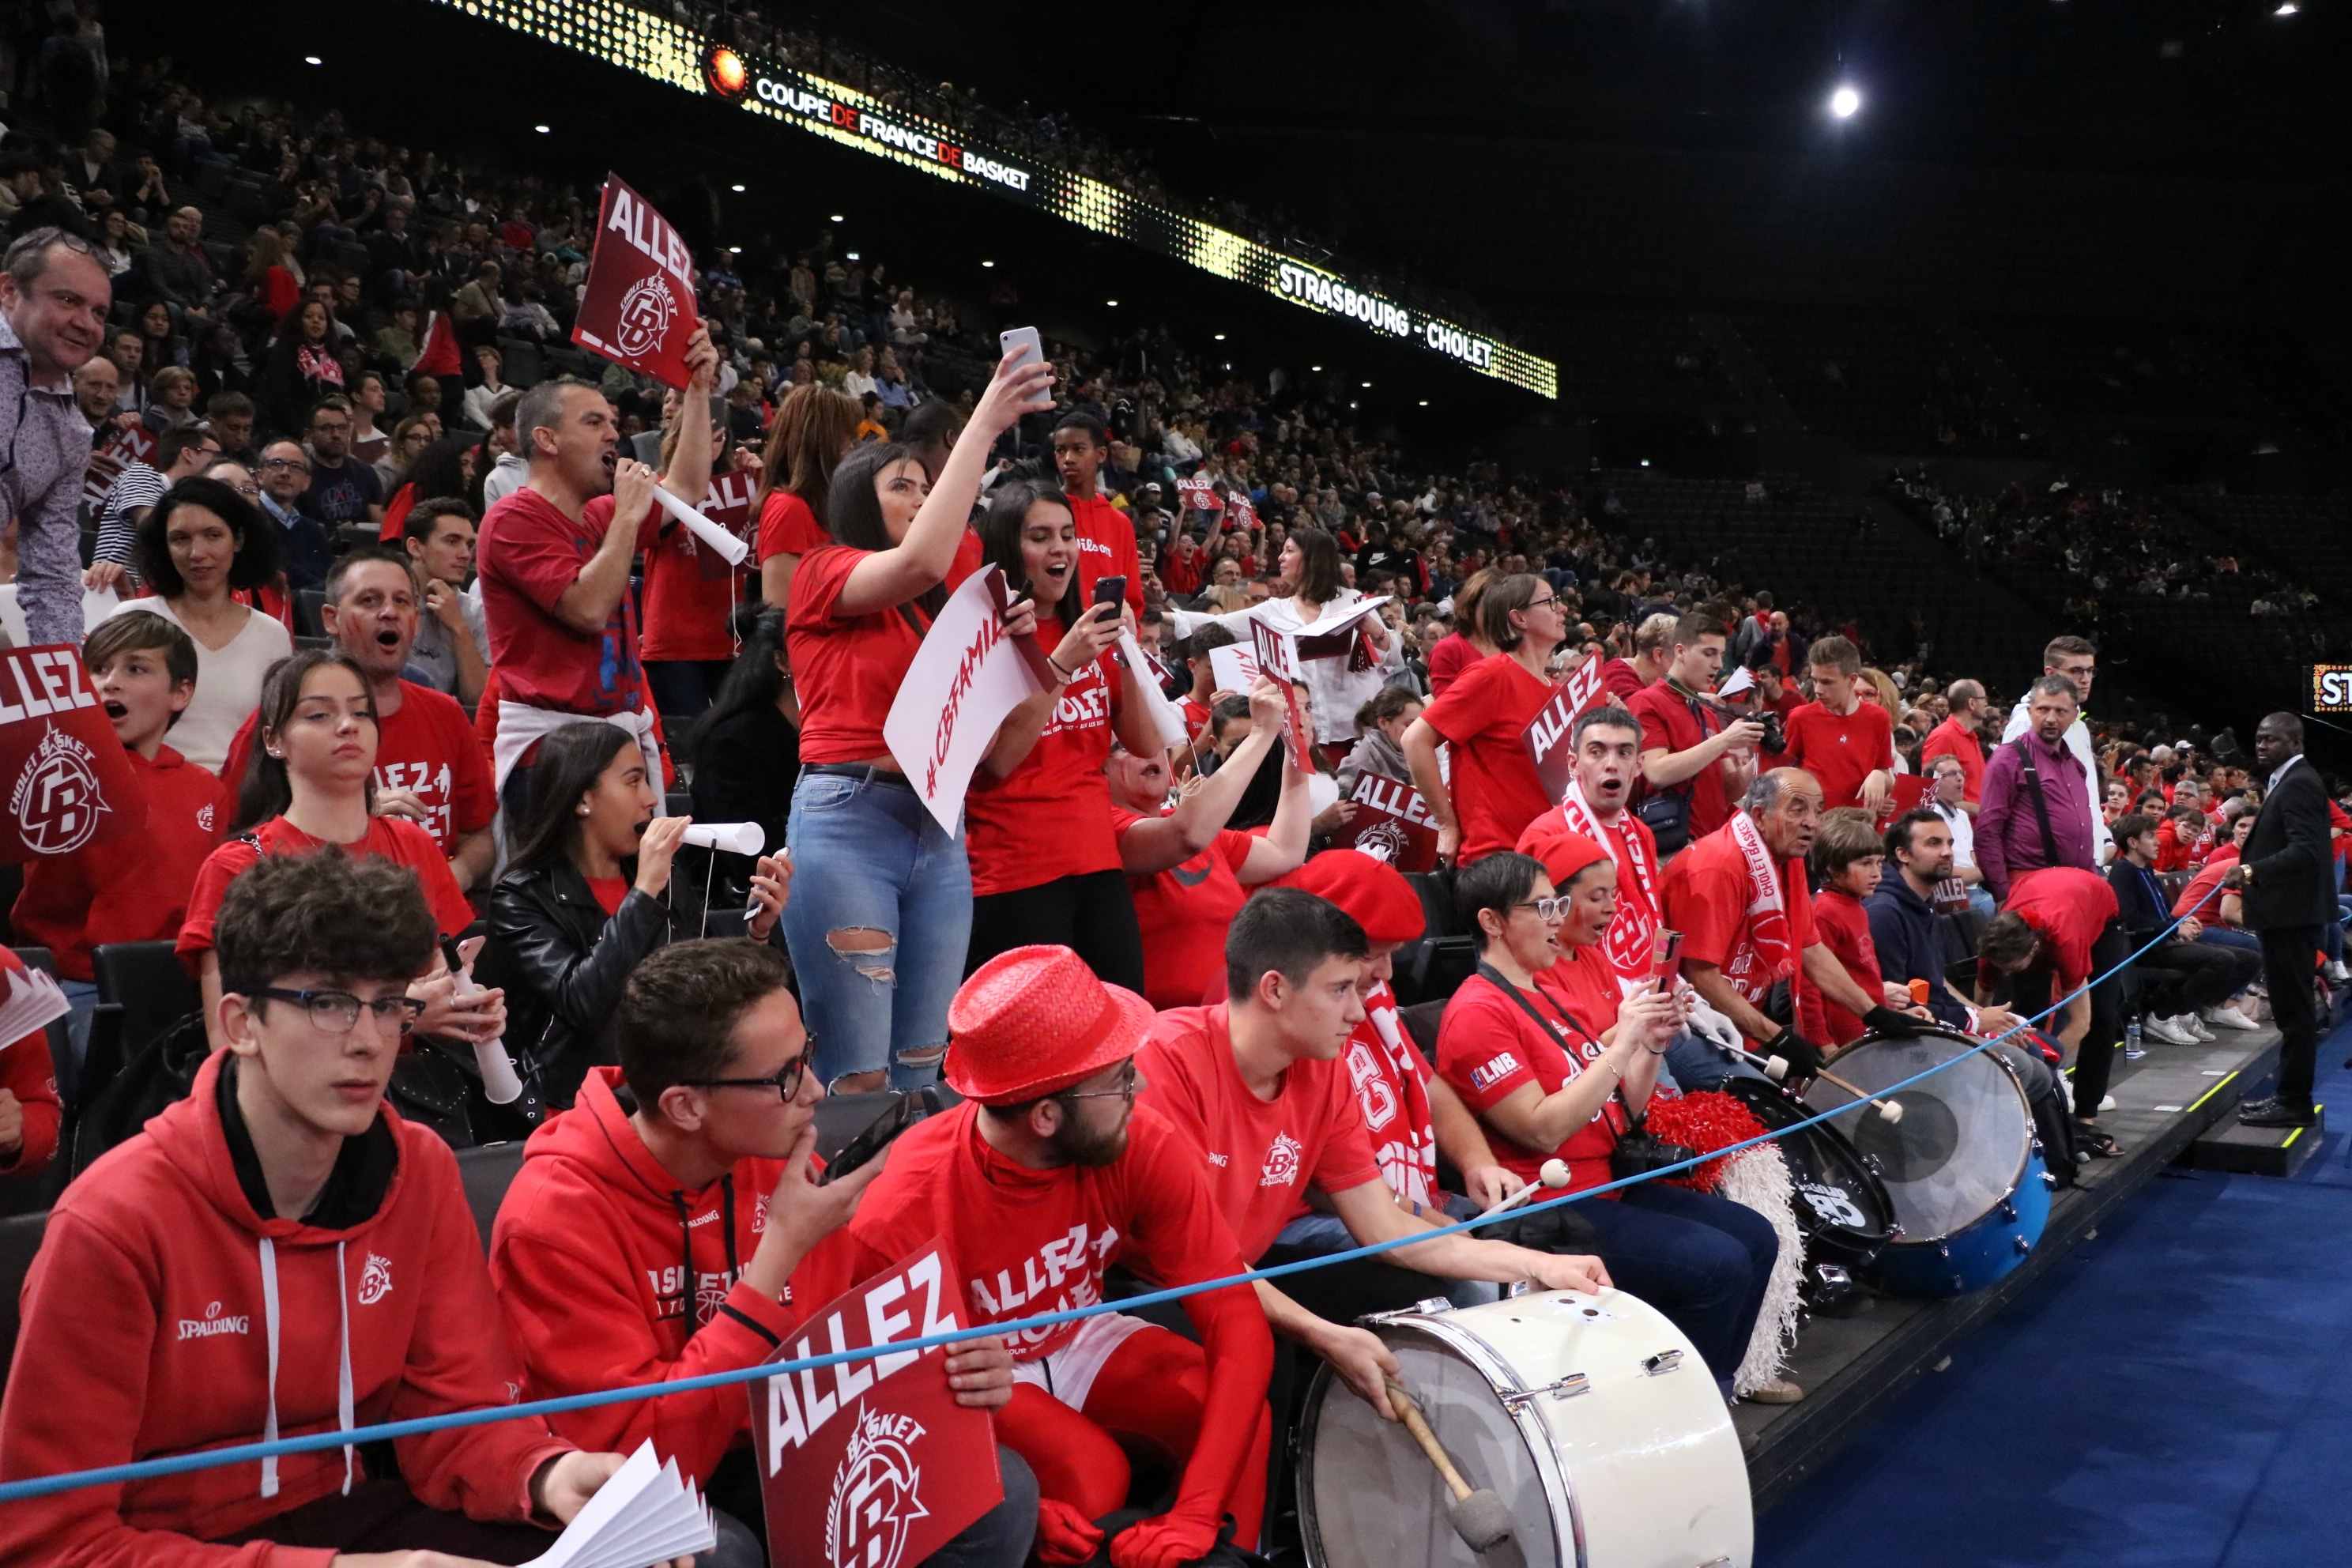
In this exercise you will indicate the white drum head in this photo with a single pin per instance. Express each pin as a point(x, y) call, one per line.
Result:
point(1376, 1502)
point(1963, 1142)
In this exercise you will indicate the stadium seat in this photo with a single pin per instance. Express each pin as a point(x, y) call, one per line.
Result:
point(152, 987)
point(308, 603)
point(487, 1170)
point(20, 1238)
point(1420, 1021)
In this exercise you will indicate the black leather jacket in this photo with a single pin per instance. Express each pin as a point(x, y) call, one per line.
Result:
point(565, 962)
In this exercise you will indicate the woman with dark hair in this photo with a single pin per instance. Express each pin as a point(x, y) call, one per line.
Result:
point(743, 750)
point(206, 555)
point(159, 343)
point(885, 891)
point(1044, 860)
point(815, 428)
point(1318, 603)
point(1555, 1065)
point(1382, 725)
point(446, 466)
point(1492, 792)
point(217, 358)
point(589, 893)
point(302, 368)
point(309, 787)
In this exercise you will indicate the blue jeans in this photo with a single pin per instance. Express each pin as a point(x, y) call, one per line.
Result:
point(1326, 1233)
point(869, 859)
point(1980, 901)
point(1697, 1063)
point(84, 997)
point(1701, 1260)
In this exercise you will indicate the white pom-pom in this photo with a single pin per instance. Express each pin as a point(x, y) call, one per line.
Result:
point(1554, 1173)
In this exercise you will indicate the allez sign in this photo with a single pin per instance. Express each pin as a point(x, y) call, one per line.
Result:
point(967, 676)
point(1393, 823)
point(63, 772)
point(638, 308)
point(872, 1464)
point(1548, 733)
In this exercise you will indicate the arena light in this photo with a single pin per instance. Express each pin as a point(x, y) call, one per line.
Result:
point(737, 189)
point(1221, 337)
point(1845, 102)
point(2287, 8)
point(988, 264)
point(312, 60)
point(837, 218)
point(544, 130)
point(1112, 304)
point(636, 39)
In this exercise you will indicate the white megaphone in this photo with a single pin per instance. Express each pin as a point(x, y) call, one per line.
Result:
point(735, 837)
point(500, 1085)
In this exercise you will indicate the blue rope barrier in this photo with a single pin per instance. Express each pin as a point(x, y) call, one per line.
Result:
point(207, 1458)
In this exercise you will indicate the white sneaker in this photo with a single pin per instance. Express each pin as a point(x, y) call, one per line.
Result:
point(2168, 1031)
point(2227, 1016)
point(2109, 1103)
point(2336, 973)
point(2194, 1025)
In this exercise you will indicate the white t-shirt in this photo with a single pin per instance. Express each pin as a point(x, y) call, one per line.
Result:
point(228, 683)
point(1964, 835)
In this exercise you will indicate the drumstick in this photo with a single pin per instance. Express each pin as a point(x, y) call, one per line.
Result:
point(1554, 1175)
point(1478, 1517)
point(1776, 1067)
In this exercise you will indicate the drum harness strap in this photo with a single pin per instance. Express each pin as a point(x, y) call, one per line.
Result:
point(1493, 976)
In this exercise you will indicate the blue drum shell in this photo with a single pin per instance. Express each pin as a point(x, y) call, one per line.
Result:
point(1983, 1254)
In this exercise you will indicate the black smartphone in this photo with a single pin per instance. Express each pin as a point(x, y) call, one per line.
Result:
point(1110, 590)
point(1670, 958)
point(901, 1113)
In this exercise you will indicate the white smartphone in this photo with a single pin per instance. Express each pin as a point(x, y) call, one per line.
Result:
point(1025, 344)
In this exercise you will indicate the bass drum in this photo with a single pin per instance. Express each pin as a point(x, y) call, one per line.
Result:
point(1591, 1417)
point(1963, 1167)
point(1842, 1206)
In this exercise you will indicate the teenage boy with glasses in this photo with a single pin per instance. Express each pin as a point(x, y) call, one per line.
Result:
point(659, 1230)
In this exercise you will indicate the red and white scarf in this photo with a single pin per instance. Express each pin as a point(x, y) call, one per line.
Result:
point(1631, 939)
point(1764, 956)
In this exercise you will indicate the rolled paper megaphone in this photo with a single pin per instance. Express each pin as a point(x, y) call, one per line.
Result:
point(703, 529)
point(735, 837)
point(499, 1083)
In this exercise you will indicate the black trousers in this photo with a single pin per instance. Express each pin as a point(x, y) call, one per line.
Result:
point(2190, 977)
point(2290, 954)
point(1093, 914)
point(384, 1515)
point(2094, 1061)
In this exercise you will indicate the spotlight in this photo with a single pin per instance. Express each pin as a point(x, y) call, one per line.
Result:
point(1112, 304)
point(737, 189)
point(1845, 102)
point(1424, 403)
point(1367, 384)
point(1315, 367)
point(988, 264)
point(312, 60)
point(837, 218)
point(1221, 337)
point(2287, 8)
point(542, 130)
point(852, 255)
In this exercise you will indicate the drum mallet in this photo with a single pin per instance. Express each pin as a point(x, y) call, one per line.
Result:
point(1776, 1067)
point(1554, 1175)
point(1478, 1517)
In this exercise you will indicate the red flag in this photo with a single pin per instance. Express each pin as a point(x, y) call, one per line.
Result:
point(639, 307)
point(62, 770)
point(873, 1461)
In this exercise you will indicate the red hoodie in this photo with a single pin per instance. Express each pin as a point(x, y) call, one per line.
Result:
point(149, 1320)
point(26, 1071)
point(1107, 548)
point(596, 1251)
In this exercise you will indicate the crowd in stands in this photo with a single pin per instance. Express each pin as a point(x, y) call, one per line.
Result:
point(411, 667)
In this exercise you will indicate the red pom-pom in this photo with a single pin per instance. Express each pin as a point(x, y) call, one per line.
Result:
point(1703, 1123)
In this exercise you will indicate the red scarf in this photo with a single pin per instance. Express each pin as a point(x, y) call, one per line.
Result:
point(1630, 941)
point(1764, 954)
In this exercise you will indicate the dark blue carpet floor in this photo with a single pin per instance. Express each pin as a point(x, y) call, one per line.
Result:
point(2176, 1394)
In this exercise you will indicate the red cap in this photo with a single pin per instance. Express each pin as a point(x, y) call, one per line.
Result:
point(1563, 854)
point(1034, 1020)
point(1367, 890)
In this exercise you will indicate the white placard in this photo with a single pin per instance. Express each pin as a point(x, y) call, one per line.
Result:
point(1166, 717)
point(1234, 667)
point(965, 678)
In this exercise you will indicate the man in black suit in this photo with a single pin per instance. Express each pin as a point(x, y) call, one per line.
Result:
point(2284, 878)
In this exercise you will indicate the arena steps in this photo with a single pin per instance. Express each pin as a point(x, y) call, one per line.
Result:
point(1854, 1368)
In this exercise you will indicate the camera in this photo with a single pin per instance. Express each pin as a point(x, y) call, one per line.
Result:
point(1776, 737)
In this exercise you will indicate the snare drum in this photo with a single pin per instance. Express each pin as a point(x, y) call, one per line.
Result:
point(1592, 1418)
point(1962, 1168)
point(1842, 1206)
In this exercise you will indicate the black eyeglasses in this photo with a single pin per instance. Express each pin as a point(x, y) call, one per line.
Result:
point(1129, 1081)
point(338, 1012)
point(784, 1081)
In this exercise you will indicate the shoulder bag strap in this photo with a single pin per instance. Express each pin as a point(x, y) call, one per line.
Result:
point(1492, 976)
point(2041, 806)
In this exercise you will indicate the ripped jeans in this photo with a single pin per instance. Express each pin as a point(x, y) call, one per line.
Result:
point(880, 919)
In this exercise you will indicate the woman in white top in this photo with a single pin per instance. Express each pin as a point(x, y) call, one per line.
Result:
point(1320, 603)
point(204, 550)
point(860, 379)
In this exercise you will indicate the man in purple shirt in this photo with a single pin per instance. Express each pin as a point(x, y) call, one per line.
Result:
point(53, 299)
point(2021, 828)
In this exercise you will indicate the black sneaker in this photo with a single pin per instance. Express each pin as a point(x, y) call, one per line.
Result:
point(2276, 1112)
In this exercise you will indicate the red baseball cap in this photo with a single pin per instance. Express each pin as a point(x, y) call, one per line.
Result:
point(1367, 890)
point(1034, 1020)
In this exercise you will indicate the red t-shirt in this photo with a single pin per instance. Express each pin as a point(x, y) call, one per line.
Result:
point(1183, 912)
point(133, 888)
point(2069, 907)
point(1619, 681)
point(787, 527)
point(846, 670)
point(1845, 930)
point(2201, 898)
point(1030, 1242)
point(2171, 855)
point(390, 837)
point(1483, 716)
point(1839, 752)
point(610, 893)
point(1668, 721)
point(690, 596)
point(1488, 1048)
point(427, 748)
point(1451, 657)
point(1953, 738)
point(1391, 1084)
point(1260, 1153)
point(1707, 896)
point(531, 552)
point(1053, 817)
point(1105, 548)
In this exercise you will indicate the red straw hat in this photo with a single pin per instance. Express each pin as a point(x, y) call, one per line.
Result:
point(1034, 1020)
point(1367, 890)
point(1563, 854)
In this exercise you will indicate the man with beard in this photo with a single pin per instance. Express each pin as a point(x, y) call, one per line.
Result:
point(554, 565)
point(342, 489)
point(1045, 1176)
point(429, 768)
point(671, 1224)
point(1105, 535)
point(1257, 1086)
point(1741, 899)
